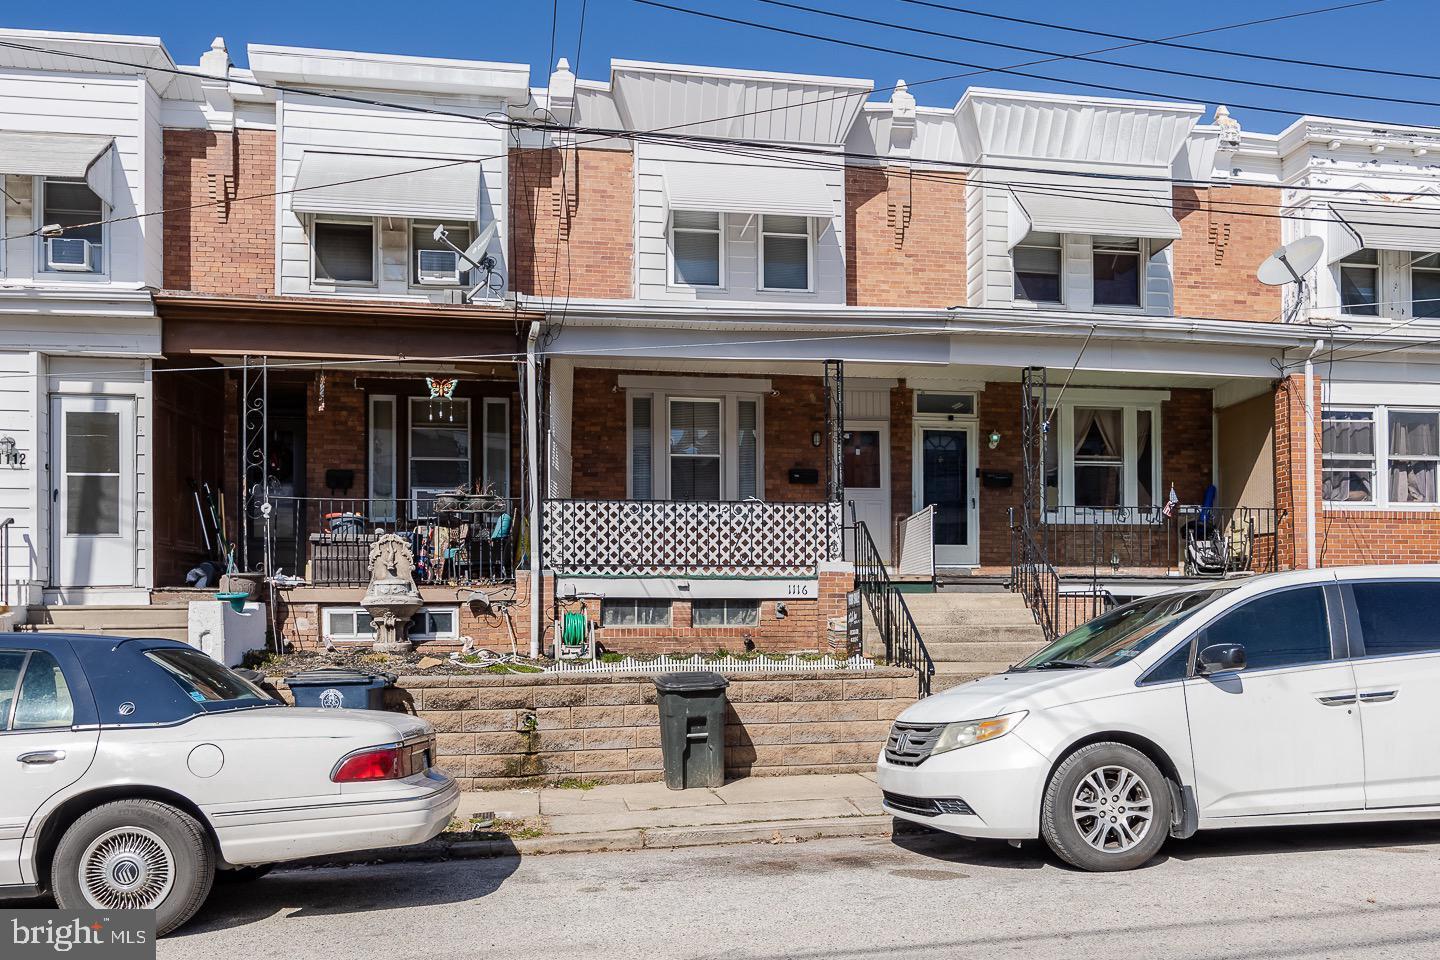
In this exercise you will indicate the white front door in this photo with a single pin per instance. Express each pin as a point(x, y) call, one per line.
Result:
point(945, 458)
point(1283, 735)
point(866, 473)
point(92, 497)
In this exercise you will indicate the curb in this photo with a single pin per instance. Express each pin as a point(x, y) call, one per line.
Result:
point(610, 841)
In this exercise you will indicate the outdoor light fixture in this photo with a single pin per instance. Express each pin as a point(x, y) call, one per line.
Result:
point(815, 438)
point(994, 439)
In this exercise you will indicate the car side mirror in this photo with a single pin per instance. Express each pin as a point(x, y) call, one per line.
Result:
point(1220, 658)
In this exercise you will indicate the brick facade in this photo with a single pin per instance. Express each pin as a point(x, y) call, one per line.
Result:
point(1219, 248)
point(572, 233)
point(904, 238)
point(215, 241)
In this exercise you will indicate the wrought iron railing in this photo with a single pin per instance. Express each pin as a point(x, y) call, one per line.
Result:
point(675, 538)
point(327, 540)
point(1033, 577)
point(891, 614)
point(5, 526)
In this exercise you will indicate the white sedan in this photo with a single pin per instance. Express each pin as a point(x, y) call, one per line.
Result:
point(134, 769)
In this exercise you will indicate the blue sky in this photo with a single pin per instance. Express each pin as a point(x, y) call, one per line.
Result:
point(1394, 35)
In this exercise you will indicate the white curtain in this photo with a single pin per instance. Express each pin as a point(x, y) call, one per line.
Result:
point(1413, 435)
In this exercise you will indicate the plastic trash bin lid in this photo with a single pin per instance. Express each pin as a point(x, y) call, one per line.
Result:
point(690, 681)
point(335, 676)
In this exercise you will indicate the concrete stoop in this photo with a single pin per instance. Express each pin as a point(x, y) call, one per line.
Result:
point(974, 634)
point(127, 620)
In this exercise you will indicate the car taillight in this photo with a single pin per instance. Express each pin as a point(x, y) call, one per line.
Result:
point(381, 763)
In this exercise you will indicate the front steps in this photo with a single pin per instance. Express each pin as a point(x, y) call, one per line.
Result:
point(974, 634)
point(163, 622)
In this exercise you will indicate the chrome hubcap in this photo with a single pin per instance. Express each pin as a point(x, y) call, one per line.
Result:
point(128, 868)
point(1112, 809)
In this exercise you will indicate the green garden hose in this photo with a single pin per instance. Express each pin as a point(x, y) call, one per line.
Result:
point(572, 632)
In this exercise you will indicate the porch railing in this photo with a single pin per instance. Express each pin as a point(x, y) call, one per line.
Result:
point(675, 538)
point(1193, 541)
point(327, 540)
point(5, 526)
point(903, 644)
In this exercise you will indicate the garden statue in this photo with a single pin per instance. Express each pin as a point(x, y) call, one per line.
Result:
point(392, 598)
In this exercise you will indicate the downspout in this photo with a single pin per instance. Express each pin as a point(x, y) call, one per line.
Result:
point(1310, 456)
point(532, 430)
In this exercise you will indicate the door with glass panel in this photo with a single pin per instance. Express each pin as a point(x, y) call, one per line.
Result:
point(865, 469)
point(92, 518)
point(945, 479)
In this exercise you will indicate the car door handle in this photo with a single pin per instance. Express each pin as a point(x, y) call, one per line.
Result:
point(42, 756)
point(1337, 701)
point(1379, 696)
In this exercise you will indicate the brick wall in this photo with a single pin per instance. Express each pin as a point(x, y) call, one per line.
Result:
point(904, 238)
point(607, 727)
point(227, 247)
point(581, 245)
point(1220, 246)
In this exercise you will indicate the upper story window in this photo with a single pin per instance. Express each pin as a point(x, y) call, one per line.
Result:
point(435, 263)
point(1037, 268)
point(1357, 443)
point(73, 205)
point(1115, 265)
point(344, 252)
point(1360, 283)
point(1425, 285)
point(785, 252)
point(1103, 455)
point(697, 249)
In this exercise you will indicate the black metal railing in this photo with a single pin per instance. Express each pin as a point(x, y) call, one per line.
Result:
point(460, 540)
point(1190, 540)
point(903, 644)
point(5, 526)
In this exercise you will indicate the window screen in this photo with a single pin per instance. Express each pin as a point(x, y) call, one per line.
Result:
point(642, 448)
point(695, 247)
point(345, 252)
point(1399, 618)
point(1277, 630)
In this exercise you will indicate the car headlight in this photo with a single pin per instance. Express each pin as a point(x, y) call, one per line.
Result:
point(967, 733)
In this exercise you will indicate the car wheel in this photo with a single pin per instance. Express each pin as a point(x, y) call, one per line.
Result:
point(1107, 807)
point(131, 855)
point(243, 874)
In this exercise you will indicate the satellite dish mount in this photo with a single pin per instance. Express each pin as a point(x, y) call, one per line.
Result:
point(476, 256)
point(1290, 264)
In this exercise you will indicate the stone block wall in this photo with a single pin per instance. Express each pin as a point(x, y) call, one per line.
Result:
point(606, 727)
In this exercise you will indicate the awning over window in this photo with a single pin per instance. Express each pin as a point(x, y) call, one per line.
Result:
point(68, 155)
point(1046, 202)
point(422, 188)
point(746, 188)
point(1374, 226)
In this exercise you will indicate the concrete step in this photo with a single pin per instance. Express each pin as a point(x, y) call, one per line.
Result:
point(981, 652)
point(110, 616)
point(982, 633)
point(1003, 600)
point(960, 617)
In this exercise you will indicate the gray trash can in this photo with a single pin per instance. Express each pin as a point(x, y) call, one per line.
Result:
point(692, 728)
point(337, 687)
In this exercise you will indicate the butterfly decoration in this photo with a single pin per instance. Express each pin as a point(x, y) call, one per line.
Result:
point(442, 388)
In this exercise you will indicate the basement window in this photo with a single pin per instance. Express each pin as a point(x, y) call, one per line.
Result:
point(725, 613)
point(354, 623)
point(628, 612)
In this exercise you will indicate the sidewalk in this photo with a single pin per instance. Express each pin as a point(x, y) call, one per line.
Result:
point(642, 815)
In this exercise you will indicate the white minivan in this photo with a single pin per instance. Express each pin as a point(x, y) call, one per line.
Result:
point(1290, 698)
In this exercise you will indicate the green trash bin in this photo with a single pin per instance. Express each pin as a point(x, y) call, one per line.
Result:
point(692, 728)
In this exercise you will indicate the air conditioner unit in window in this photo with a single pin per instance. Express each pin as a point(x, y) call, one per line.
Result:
point(437, 266)
point(68, 253)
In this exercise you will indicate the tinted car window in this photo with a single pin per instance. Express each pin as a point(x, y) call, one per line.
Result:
point(1399, 618)
point(205, 680)
point(1176, 666)
point(1277, 630)
point(44, 698)
point(10, 664)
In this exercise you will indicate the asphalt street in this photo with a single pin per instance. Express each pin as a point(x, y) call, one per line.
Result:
point(1313, 892)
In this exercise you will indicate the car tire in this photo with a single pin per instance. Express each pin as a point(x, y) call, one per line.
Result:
point(243, 874)
point(1119, 828)
point(134, 854)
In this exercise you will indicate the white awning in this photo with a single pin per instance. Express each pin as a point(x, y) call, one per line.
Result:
point(386, 186)
point(1374, 226)
point(68, 155)
point(1065, 203)
point(748, 188)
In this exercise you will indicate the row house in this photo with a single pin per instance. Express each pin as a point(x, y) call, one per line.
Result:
point(689, 352)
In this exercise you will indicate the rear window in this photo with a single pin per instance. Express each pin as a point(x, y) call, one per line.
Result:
point(1399, 617)
point(205, 680)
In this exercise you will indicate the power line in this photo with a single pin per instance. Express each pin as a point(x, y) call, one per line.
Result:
point(1086, 58)
point(1170, 41)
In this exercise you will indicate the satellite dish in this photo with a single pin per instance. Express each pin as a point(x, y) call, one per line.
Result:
point(481, 244)
point(1291, 262)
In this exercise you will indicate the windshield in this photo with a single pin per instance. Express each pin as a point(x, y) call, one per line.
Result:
point(205, 680)
point(1120, 635)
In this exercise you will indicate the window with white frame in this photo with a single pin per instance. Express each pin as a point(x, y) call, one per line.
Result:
point(1037, 268)
point(344, 252)
point(1424, 284)
point(71, 204)
point(697, 248)
point(495, 468)
point(1359, 276)
point(1116, 265)
point(355, 623)
point(684, 445)
point(439, 448)
point(725, 613)
point(785, 253)
point(1380, 455)
point(434, 262)
point(1103, 455)
point(628, 612)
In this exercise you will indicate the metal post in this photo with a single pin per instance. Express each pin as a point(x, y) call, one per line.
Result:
point(254, 456)
point(532, 434)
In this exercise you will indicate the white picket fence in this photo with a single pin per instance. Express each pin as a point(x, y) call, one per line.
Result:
point(729, 664)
